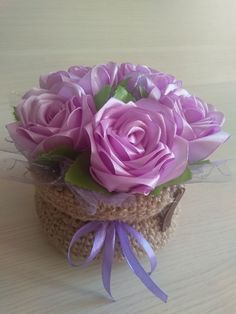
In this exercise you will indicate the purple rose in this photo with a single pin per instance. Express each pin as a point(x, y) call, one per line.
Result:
point(134, 146)
point(143, 79)
point(78, 71)
point(62, 83)
point(92, 80)
point(198, 122)
point(126, 68)
point(47, 121)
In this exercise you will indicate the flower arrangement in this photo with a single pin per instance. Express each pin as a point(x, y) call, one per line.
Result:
point(120, 140)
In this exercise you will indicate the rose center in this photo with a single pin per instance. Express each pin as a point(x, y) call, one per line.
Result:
point(193, 109)
point(53, 111)
point(136, 135)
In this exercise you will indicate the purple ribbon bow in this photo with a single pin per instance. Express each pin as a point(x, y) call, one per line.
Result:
point(105, 237)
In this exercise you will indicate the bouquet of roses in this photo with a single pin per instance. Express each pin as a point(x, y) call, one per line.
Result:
point(111, 132)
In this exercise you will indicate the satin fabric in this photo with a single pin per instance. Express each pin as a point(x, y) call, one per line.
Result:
point(104, 243)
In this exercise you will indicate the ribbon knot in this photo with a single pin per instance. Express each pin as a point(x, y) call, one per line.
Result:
point(104, 241)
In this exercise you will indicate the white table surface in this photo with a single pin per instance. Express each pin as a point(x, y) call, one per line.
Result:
point(196, 41)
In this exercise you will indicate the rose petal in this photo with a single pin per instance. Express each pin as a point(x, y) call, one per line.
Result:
point(177, 166)
point(24, 144)
point(51, 143)
point(201, 148)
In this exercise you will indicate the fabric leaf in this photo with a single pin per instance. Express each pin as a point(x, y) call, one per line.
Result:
point(185, 176)
point(78, 174)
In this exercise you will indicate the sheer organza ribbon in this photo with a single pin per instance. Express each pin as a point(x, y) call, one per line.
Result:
point(104, 241)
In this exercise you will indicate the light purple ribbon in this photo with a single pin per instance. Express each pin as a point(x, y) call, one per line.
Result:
point(105, 238)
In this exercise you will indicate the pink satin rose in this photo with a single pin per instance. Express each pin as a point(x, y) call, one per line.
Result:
point(134, 146)
point(143, 79)
point(47, 121)
point(95, 78)
point(62, 83)
point(199, 123)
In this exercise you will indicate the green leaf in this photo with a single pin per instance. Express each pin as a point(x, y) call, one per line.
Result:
point(15, 114)
point(107, 92)
point(185, 176)
point(143, 92)
point(124, 83)
point(121, 93)
point(102, 96)
point(78, 174)
point(52, 157)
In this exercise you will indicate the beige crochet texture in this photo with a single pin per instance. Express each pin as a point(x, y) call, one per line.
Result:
point(62, 214)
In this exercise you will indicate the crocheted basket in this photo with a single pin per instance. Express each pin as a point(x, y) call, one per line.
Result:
point(62, 213)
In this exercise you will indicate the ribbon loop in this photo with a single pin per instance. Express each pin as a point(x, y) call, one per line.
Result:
point(136, 266)
point(89, 227)
point(108, 255)
point(144, 245)
point(105, 238)
point(97, 243)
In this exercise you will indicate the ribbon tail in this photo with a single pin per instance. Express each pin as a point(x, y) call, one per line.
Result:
point(108, 254)
point(89, 227)
point(97, 243)
point(144, 245)
point(136, 266)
